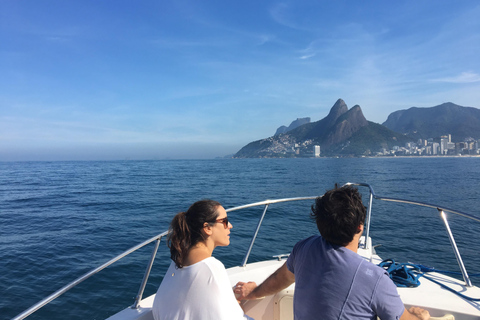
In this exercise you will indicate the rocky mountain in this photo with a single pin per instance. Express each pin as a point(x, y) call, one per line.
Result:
point(336, 127)
point(342, 132)
point(295, 124)
point(448, 118)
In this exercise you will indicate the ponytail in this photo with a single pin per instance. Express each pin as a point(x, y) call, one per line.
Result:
point(179, 239)
point(186, 229)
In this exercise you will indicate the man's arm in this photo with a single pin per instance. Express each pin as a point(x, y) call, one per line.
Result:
point(415, 313)
point(277, 281)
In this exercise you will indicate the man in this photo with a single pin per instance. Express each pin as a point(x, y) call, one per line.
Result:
point(331, 280)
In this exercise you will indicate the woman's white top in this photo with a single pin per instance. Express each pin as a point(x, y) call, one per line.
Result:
point(201, 291)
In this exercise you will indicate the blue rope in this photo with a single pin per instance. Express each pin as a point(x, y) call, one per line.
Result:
point(408, 275)
point(431, 269)
point(451, 290)
point(402, 274)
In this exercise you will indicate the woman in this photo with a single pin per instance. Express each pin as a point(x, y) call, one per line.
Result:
point(196, 285)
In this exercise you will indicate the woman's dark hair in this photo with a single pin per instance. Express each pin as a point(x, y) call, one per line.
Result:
point(186, 228)
point(339, 213)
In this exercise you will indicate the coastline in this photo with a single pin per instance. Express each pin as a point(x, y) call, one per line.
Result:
point(423, 157)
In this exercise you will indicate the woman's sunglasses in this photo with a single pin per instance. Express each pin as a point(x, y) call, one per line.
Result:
point(224, 221)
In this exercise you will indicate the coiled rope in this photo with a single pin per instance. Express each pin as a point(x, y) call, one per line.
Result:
point(409, 274)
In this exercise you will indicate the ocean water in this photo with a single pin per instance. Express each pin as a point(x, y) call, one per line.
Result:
point(59, 220)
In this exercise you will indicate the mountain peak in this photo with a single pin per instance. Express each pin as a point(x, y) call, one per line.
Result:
point(339, 108)
point(346, 125)
point(357, 114)
point(295, 124)
point(339, 103)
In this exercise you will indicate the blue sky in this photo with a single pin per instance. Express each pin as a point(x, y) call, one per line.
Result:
point(108, 80)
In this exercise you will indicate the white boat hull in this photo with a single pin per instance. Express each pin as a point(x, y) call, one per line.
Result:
point(430, 296)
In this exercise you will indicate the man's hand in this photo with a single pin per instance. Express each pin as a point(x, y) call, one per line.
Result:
point(415, 313)
point(420, 313)
point(243, 290)
point(277, 281)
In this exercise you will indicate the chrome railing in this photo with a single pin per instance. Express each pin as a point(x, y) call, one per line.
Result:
point(72, 284)
point(266, 205)
point(443, 216)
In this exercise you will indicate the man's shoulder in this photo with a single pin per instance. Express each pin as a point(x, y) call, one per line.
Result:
point(311, 239)
point(311, 244)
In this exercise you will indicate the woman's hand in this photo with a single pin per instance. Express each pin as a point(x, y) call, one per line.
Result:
point(243, 290)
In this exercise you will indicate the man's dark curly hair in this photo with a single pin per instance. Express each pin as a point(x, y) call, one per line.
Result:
point(339, 213)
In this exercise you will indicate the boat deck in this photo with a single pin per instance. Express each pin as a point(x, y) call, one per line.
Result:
point(439, 302)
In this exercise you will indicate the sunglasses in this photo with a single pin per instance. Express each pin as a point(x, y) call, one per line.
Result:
point(224, 221)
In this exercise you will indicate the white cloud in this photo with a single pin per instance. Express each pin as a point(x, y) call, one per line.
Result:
point(464, 77)
point(308, 56)
point(279, 14)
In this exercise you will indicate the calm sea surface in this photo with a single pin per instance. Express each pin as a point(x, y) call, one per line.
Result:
point(59, 220)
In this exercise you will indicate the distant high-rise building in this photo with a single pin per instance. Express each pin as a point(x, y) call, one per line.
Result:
point(435, 147)
point(443, 145)
point(316, 151)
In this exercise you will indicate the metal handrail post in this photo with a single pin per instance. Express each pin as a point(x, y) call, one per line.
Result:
point(244, 263)
point(146, 275)
point(369, 212)
point(369, 218)
point(455, 250)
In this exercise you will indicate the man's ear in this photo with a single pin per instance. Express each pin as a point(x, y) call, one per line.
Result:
point(360, 228)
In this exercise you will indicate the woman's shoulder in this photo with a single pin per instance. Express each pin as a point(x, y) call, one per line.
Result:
point(213, 263)
point(210, 263)
point(215, 269)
